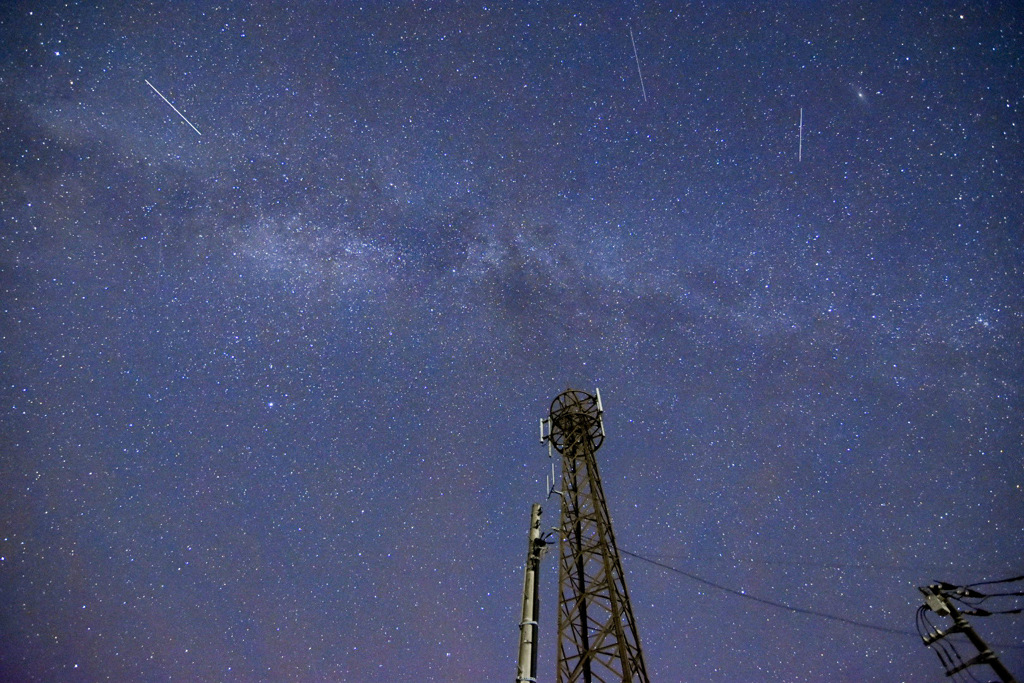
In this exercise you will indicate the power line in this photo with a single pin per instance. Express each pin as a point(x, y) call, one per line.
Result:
point(783, 606)
point(766, 601)
point(1009, 580)
point(823, 565)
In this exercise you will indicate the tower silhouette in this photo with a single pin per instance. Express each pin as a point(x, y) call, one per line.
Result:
point(597, 635)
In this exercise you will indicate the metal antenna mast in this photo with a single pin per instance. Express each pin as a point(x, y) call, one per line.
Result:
point(597, 635)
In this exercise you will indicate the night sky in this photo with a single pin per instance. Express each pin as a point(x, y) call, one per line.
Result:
point(270, 390)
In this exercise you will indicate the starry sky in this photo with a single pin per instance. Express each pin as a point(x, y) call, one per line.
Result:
point(271, 384)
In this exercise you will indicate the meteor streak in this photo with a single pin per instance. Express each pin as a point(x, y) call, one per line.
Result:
point(642, 88)
point(172, 106)
point(800, 149)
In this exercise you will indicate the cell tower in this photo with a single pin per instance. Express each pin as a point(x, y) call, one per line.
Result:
point(597, 635)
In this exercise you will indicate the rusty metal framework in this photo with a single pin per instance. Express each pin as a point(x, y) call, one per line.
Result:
point(597, 634)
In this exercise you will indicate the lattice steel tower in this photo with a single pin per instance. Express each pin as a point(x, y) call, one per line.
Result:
point(597, 636)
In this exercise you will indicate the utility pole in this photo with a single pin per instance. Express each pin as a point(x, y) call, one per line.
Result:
point(528, 629)
point(938, 601)
point(597, 634)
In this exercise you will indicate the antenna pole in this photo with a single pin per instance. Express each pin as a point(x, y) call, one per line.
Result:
point(531, 602)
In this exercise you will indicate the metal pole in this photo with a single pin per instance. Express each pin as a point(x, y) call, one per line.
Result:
point(985, 653)
point(527, 670)
point(939, 602)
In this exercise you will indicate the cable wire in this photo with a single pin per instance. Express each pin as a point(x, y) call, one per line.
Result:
point(986, 583)
point(818, 564)
point(790, 608)
point(766, 601)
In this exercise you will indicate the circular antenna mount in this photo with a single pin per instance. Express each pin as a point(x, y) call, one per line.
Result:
point(573, 414)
